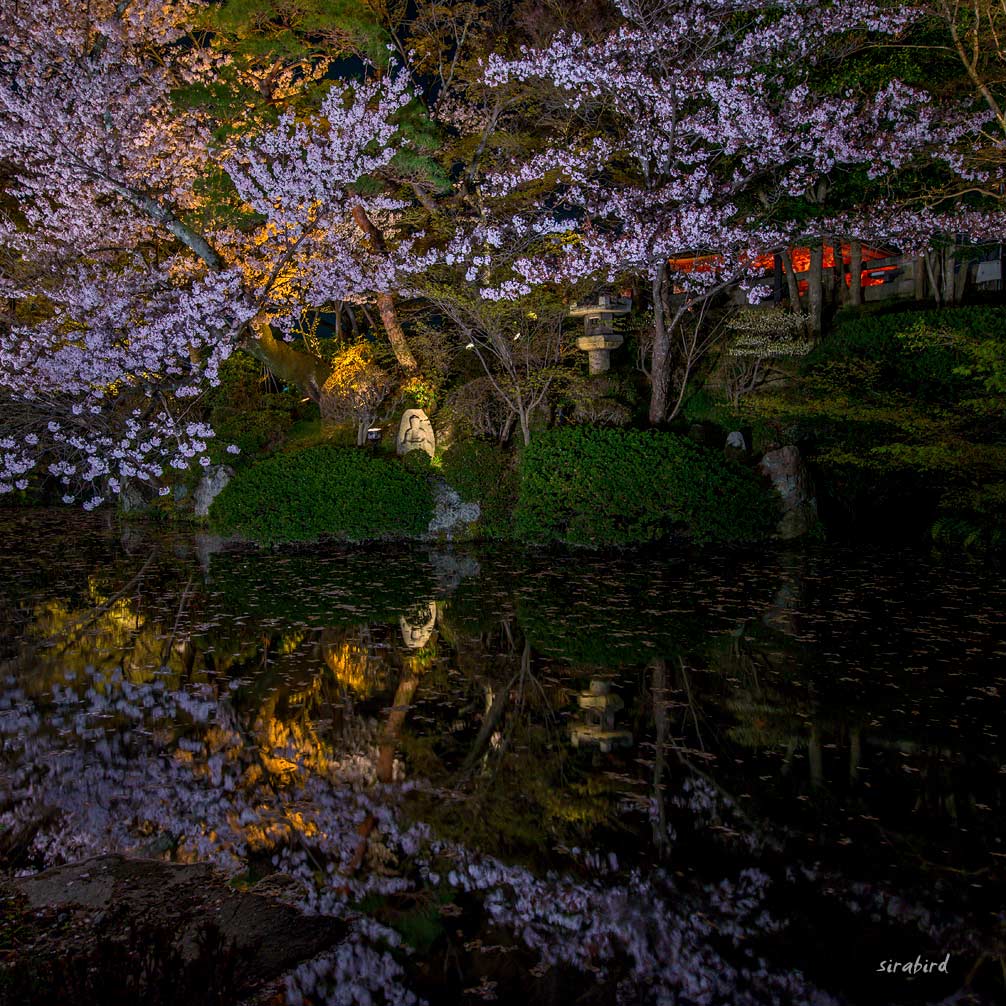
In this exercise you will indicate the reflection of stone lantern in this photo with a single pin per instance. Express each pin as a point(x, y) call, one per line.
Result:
point(597, 725)
point(600, 337)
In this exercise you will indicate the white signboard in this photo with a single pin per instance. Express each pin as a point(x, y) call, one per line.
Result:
point(989, 272)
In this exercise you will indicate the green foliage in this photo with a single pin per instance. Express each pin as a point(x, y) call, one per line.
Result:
point(482, 472)
point(901, 391)
point(323, 490)
point(968, 534)
point(621, 487)
point(905, 404)
point(973, 518)
point(703, 405)
point(242, 412)
point(608, 400)
point(930, 354)
point(419, 393)
point(270, 31)
point(418, 462)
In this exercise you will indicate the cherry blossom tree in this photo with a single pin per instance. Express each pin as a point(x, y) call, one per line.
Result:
point(145, 237)
point(136, 284)
point(698, 129)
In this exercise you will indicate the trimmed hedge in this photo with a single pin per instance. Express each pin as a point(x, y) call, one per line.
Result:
point(323, 490)
point(591, 486)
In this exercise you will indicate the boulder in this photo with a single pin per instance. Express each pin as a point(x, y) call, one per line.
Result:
point(131, 925)
point(450, 512)
point(132, 499)
point(788, 474)
point(210, 486)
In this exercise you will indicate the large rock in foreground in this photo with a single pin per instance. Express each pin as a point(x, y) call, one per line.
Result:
point(150, 932)
point(791, 480)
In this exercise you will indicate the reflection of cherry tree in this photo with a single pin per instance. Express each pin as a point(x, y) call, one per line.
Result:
point(104, 764)
point(147, 763)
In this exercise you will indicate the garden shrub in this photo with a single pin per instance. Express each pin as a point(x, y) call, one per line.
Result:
point(323, 490)
point(901, 416)
point(417, 461)
point(929, 354)
point(483, 473)
point(242, 413)
point(619, 487)
point(972, 518)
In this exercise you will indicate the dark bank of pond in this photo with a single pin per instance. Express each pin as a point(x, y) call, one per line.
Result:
point(655, 778)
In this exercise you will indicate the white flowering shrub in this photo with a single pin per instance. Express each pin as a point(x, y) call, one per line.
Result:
point(768, 332)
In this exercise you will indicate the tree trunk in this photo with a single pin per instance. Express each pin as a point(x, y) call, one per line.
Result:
point(525, 427)
point(396, 334)
point(815, 290)
point(855, 273)
point(507, 427)
point(385, 302)
point(934, 281)
point(837, 273)
point(792, 288)
point(305, 372)
point(660, 362)
point(948, 274)
point(919, 275)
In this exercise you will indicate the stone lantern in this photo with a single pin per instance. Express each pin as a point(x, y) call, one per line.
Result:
point(597, 724)
point(600, 337)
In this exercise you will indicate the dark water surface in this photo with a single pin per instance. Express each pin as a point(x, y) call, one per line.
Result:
point(660, 778)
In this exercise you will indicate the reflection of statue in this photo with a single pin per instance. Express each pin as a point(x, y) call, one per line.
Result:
point(416, 433)
point(417, 625)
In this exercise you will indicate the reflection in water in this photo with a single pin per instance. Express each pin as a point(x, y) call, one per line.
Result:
point(745, 780)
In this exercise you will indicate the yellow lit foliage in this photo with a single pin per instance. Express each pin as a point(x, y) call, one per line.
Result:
point(357, 385)
point(287, 747)
point(354, 668)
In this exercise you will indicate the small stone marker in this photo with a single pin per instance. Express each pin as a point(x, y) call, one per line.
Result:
point(415, 432)
point(736, 441)
point(600, 337)
point(598, 723)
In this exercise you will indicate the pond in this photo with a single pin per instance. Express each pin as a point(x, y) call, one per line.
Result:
point(661, 777)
